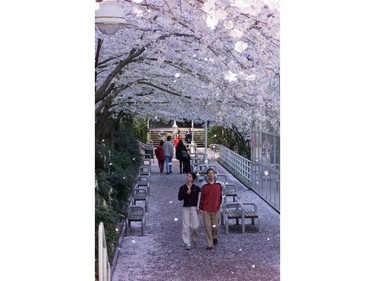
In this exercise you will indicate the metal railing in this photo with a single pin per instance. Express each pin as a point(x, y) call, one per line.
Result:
point(262, 178)
point(104, 267)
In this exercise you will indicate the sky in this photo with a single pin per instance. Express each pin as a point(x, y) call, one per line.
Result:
point(47, 122)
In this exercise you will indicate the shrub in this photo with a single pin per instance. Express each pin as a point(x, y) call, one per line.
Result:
point(116, 167)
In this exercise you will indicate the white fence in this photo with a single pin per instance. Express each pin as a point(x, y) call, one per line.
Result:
point(261, 174)
point(104, 267)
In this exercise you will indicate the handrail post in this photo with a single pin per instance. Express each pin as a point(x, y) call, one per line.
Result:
point(205, 143)
point(104, 267)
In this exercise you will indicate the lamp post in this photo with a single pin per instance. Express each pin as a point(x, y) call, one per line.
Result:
point(148, 131)
point(192, 146)
point(110, 17)
point(175, 127)
point(192, 131)
point(205, 143)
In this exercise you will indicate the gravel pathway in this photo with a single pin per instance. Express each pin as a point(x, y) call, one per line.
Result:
point(160, 253)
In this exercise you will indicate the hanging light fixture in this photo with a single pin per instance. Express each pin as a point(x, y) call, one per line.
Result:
point(110, 17)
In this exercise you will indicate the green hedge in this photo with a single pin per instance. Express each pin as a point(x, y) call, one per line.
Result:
point(116, 166)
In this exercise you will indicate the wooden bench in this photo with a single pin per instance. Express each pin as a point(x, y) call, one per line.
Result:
point(144, 170)
point(146, 162)
point(202, 170)
point(212, 166)
point(140, 194)
point(221, 178)
point(149, 150)
point(230, 189)
point(143, 181)
point(195, 161)
point(200, 154)
point(135, 214)
point(239, 211)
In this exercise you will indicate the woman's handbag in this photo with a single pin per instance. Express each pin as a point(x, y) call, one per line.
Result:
point(185, 154)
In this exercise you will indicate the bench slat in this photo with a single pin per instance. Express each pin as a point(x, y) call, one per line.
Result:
point(250, 214)
point(233, 213)
point(135, 217)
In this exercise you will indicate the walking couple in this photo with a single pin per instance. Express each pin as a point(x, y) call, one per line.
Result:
point(203, 201)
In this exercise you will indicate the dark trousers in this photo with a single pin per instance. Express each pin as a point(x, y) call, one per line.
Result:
point(186, 162)
point(161, 165)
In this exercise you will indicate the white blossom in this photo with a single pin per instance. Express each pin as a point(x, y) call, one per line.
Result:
point(251, 7)
point(236, 33)
point(230, 76)
point(240, 46)
point(228, 24)
point(222, 50)
point(137, 11)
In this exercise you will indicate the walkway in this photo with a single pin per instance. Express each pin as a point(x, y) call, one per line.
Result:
point(161, 256)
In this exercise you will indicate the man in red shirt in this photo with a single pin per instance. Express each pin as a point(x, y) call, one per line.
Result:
point(209, 207)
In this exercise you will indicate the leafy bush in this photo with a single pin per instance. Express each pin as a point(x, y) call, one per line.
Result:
point(231, 138)
point(116, 166)
point(141, 129)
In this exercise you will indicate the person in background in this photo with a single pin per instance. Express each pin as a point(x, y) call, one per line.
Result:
point(179, 154)
point(168, 154)
point(189, 192)
point(188, 137)
point(186, 161)
point(160, 155)
point(209, 207)
point(177, 139)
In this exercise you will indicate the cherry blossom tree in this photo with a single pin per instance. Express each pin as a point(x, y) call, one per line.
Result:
point(202, 60)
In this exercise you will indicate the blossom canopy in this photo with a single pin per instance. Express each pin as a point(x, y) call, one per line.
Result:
point(201, 60)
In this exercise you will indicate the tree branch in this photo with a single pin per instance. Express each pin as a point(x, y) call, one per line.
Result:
point(164, 90)
point(101, 92)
